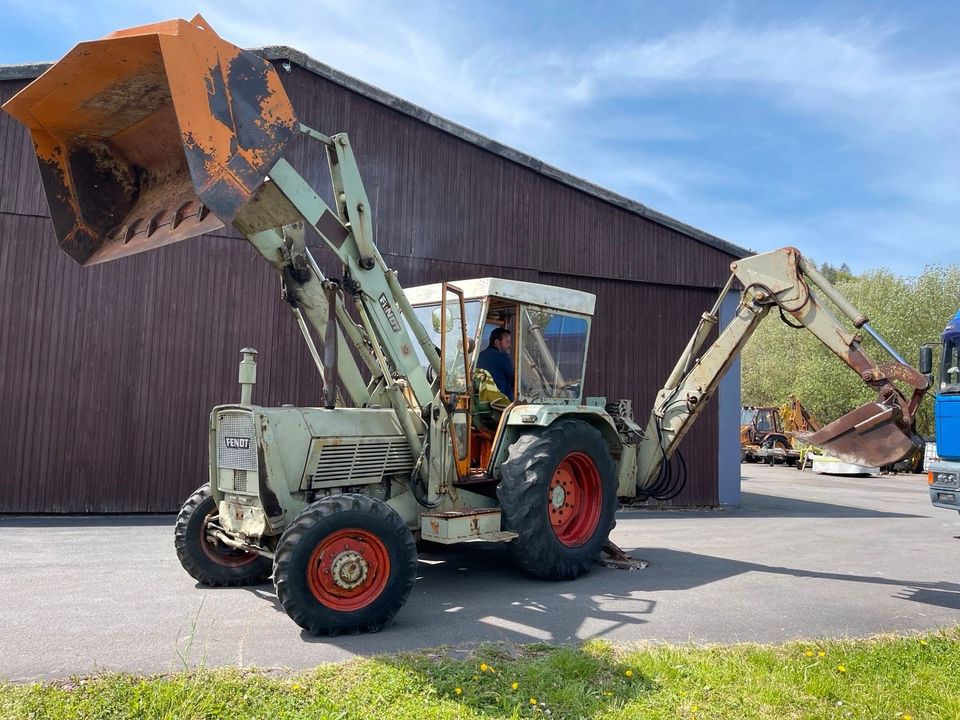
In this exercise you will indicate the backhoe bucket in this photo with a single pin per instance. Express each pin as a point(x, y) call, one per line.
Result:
point(873, 435)
point(152, 135)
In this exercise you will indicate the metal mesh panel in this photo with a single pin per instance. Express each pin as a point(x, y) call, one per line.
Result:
point(365, 460)
point(240, 480)
point(232, 430)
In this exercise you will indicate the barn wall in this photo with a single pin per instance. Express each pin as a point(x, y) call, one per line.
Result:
point(107, 373)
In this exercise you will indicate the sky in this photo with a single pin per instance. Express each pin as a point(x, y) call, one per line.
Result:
point(833, 126)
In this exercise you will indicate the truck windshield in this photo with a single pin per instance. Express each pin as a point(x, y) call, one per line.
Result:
point(950, 367)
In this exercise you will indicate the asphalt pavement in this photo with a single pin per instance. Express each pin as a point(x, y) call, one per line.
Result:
point(805, 556)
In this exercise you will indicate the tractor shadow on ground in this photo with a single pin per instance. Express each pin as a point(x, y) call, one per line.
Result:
point(759, 505)
point(947, 596)
point(479, 596)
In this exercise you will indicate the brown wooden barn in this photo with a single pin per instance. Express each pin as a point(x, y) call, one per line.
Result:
point(107, 373)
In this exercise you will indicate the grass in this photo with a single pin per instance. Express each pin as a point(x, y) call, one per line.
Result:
point(884, 677)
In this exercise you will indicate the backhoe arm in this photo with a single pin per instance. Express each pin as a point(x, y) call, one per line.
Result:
point(877, 433)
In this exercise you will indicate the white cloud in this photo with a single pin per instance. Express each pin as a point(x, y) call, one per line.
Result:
point(598, 110)
point(901, 117)
point(895, 119)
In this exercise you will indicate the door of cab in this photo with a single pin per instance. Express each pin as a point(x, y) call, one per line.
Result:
point(455, 380)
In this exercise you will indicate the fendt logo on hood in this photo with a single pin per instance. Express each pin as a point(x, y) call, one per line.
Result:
point(237, 443)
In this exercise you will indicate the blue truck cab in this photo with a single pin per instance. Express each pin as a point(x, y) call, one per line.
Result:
point(943, 470)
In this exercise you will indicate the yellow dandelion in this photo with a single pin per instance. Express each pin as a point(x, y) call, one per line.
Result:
point(514, 685)
point(820, 653)
point(906, 717)
point(629, 673)
point(458, 691)
point(809, 653)
point(296, 686)
point(923, 642)
point(841, 668)
point(484, 667)
point(533, 701)
point(694, 708)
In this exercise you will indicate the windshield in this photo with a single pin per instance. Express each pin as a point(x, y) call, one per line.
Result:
point(429, 316)
point(747, 415)
point(765, 421)
point(553, 351)
point(950, 367)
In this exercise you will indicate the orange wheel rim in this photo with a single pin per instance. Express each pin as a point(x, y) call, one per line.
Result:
point(574, 499)
point(348, 569)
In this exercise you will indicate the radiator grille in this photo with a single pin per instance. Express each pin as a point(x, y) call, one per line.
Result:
point(240, 480)
point(352, 461)
point(231, 428)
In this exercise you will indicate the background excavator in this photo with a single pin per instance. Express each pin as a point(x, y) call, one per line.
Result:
point(162, 133)
point(769, 434)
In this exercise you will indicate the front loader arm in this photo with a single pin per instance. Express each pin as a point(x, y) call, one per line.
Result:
point(205, 150)
point(876, 434)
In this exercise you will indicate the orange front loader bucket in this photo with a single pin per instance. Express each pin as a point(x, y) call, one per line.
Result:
point(152, 135)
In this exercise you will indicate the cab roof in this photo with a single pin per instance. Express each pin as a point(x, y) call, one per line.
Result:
point(548, 296)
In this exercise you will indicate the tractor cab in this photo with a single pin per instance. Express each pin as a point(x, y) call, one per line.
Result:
point(541, 361)
point(758, 422)
point(549, 329)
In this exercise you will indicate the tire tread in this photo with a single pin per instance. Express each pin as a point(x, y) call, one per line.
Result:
point(526, 476)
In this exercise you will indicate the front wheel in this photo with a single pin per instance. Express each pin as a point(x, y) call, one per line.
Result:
point(210, 562)
point(347, 562)
point(775, 444)
point(558, 492)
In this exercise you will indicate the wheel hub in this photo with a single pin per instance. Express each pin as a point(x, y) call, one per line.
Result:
point(558, 496)
point(349, 569)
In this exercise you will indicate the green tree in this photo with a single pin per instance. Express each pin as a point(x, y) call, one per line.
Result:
point(906, 311)
point(837, 274)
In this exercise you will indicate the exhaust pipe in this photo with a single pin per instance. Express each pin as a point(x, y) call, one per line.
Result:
point(152, 135)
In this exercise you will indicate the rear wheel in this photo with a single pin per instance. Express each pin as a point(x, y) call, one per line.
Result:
point(213, 563)
point(347, 562)
point(558, 493)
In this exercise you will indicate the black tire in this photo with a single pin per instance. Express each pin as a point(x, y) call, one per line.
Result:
point(313, 582)
point(209, 563)
point(529, 502)
point(775, 442)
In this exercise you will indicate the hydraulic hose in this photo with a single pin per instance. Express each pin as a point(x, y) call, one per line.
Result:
point(416, 485)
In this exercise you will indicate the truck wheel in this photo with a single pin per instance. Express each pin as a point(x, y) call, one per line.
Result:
point(212, 563)
point(346, 563)
point(558, 492)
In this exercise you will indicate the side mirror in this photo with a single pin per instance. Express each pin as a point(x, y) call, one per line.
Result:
point(926, 360)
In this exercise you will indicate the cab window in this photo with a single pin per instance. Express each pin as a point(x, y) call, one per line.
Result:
point(553, 350)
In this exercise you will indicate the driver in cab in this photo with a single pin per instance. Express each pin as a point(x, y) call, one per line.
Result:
point(497, 359)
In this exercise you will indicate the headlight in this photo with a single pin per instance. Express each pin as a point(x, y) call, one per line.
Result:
point(944, 478)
